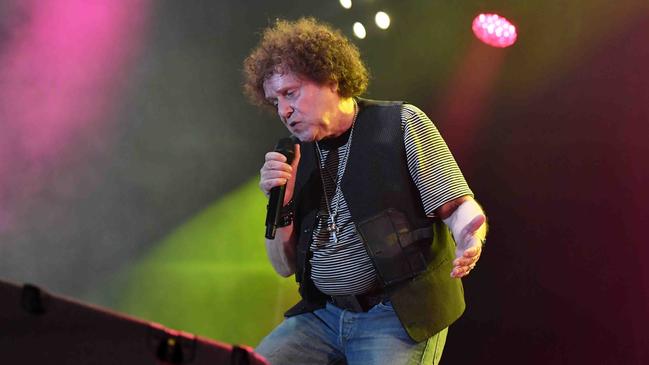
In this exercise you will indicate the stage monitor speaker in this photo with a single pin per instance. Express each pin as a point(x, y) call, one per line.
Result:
point(41, 328)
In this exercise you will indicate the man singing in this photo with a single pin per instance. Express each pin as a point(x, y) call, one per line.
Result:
point(378, 223)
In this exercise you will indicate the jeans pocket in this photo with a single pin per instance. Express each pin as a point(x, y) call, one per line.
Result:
point(385, 305)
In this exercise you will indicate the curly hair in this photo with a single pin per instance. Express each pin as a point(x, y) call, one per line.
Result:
point(308, 48)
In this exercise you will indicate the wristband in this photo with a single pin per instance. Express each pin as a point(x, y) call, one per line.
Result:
point(286, 214)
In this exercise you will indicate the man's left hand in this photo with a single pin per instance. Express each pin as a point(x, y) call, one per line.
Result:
point(469, 248)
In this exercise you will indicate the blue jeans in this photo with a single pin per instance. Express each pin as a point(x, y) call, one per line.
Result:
point(332, 335)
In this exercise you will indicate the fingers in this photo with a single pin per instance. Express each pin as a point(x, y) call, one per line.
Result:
point(267, 185)
point(296, 159)
point(466, 260)
point(462, 271)
point(463, 261)
point(290, 183)
point(274, 172)
point(472, 251)
point(473, 248)
point(274, 156)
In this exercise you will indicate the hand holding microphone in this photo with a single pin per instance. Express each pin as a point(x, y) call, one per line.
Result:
point(278, 180)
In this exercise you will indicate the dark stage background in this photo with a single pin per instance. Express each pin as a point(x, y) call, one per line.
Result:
point(122, 121)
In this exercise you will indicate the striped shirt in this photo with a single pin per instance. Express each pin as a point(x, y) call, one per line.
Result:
point(344, 268)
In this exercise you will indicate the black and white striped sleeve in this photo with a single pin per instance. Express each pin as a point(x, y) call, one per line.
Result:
point(431, 164)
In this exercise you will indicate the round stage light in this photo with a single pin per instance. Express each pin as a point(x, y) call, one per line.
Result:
point(382, 20)
point(494, 30)
point(347, 4)
point(359, 30)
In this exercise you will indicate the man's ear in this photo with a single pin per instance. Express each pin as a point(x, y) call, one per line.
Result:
point(333, 85)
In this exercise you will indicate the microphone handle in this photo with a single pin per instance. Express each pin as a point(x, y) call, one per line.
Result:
point(274, 206)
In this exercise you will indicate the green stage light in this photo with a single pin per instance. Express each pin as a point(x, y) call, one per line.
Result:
point(211, 276)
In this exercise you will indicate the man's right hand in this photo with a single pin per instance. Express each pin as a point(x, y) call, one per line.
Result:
point(276, 172)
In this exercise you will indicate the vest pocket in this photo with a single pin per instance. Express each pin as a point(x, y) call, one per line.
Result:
point(397, 251)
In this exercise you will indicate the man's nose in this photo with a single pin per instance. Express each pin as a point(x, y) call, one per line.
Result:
point(284, 110)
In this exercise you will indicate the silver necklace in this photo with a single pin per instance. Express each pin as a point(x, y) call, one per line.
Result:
point(332, 212)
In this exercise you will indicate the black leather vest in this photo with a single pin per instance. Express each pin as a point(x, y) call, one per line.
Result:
point(376, 179)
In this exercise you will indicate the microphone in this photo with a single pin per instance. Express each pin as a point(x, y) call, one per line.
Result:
point(285, 146)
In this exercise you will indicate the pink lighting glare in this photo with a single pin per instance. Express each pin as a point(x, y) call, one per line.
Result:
point(62, 71)
point(494, 30)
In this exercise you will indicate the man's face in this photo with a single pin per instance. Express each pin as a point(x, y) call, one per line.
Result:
point(307, 109)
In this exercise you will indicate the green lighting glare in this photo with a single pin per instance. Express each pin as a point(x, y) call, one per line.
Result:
point(211, 276)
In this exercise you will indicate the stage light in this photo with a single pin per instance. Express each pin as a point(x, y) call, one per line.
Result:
point(494, 30)
point(359, 30)
point(382, 20)
point(347, 4)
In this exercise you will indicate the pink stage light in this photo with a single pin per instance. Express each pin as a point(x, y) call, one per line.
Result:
point(61, 76)
point(494, 30)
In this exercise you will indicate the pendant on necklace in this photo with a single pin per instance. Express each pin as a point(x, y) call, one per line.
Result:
point(333, 230)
